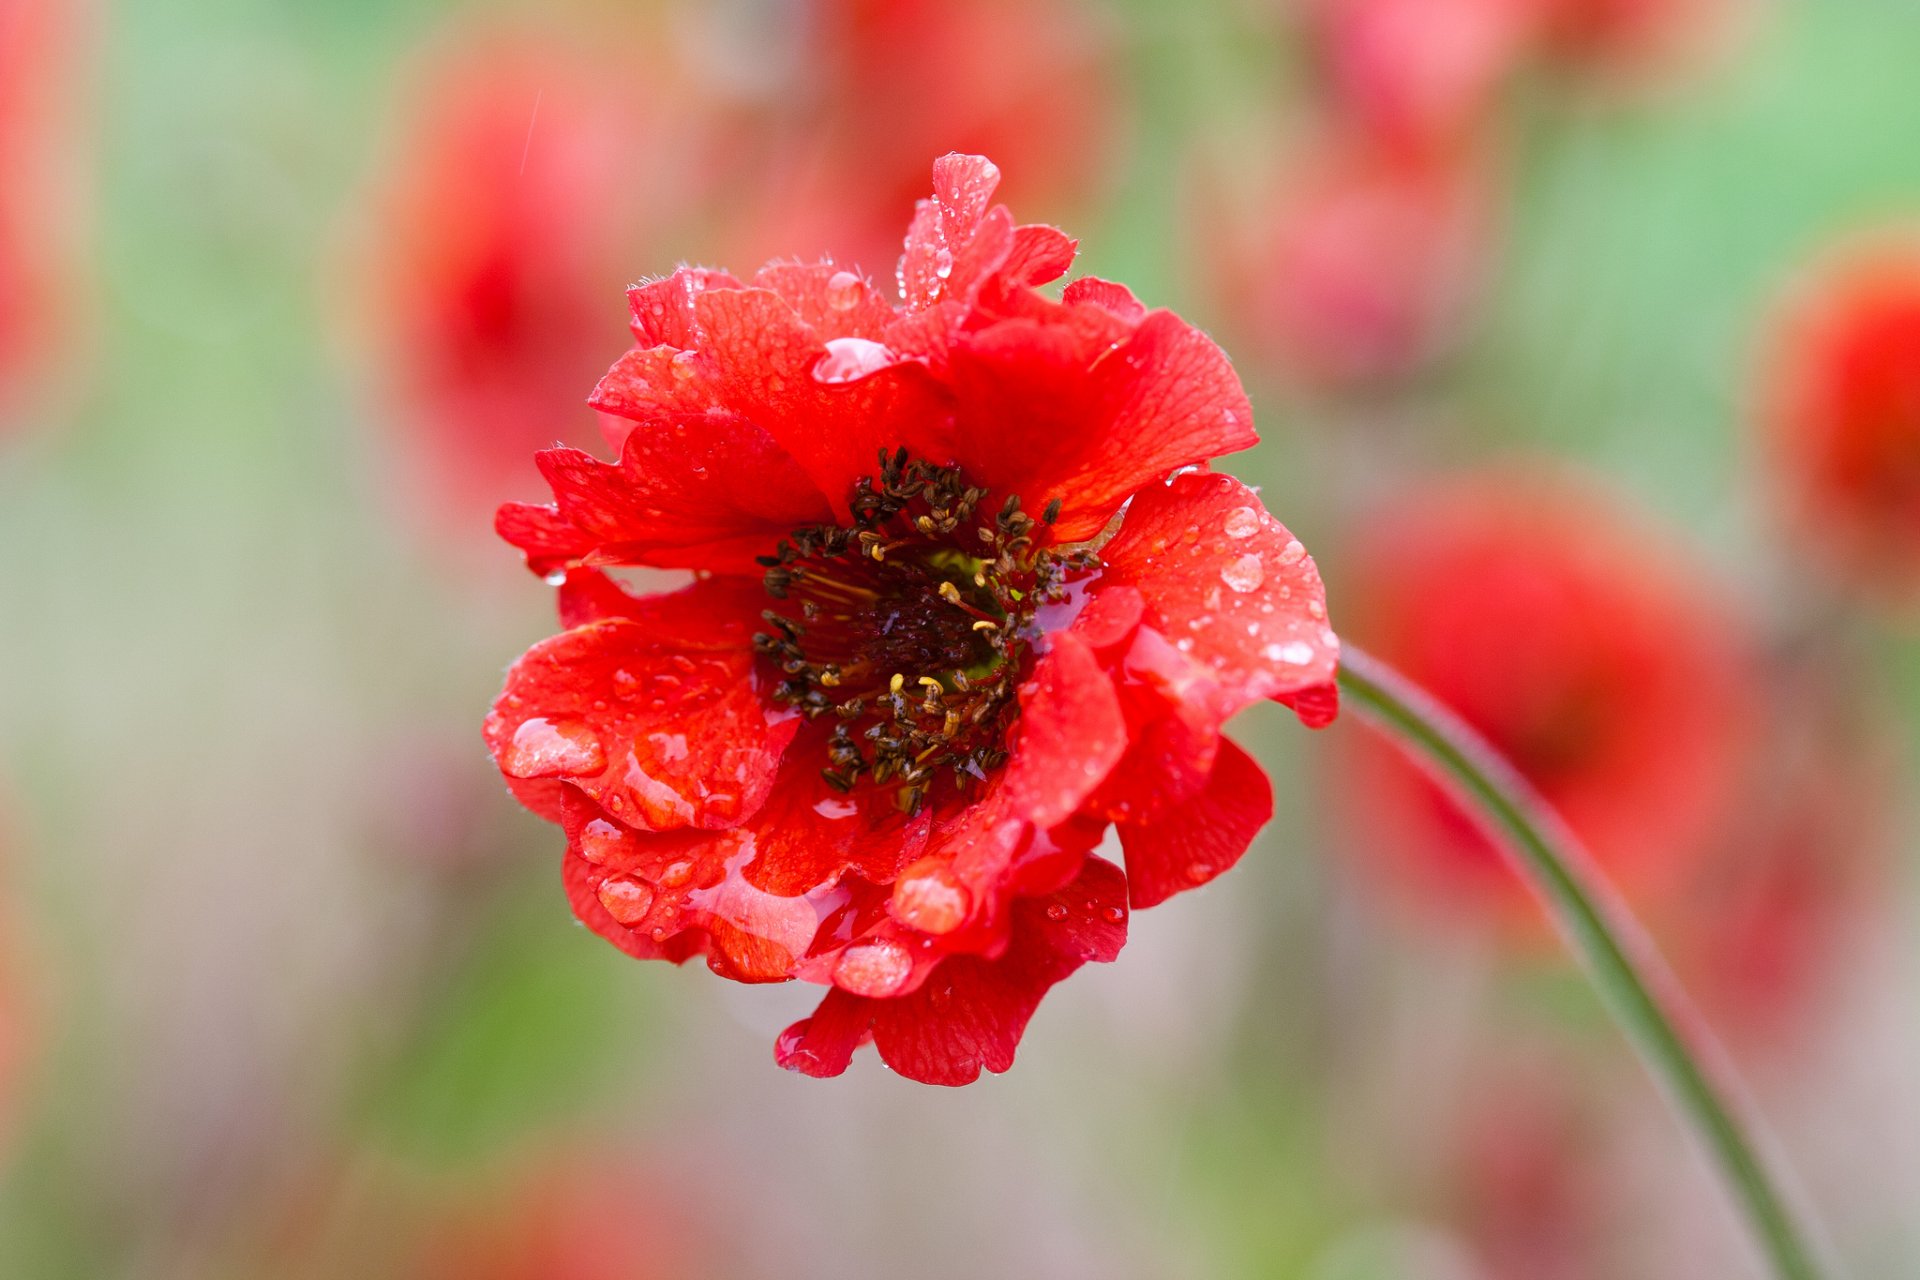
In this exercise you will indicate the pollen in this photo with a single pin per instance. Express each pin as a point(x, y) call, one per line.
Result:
point(911, 629)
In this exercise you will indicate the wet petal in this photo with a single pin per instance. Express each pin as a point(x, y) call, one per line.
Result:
point(1188, 846)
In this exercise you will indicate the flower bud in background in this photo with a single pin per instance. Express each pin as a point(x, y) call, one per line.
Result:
point(1840, 399)
point(42, 214)
point(1588, 651)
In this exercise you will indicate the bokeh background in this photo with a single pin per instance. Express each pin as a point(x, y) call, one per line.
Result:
point(288, 294)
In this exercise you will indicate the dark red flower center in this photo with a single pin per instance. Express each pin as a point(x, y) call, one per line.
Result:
point(912, 628)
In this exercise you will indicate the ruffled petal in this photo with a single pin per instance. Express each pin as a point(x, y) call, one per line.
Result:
point(762, 360)
point(663, 312)
point(1229, 586)
point(663, 723)
point(1189, 846)
point(970, 1014)
point(547, 539)
point(705, 491)
point(1047, 410)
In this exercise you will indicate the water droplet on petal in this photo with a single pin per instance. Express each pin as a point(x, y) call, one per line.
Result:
point(850, 359)
point(877, 968)
point(1242, 522)
point(682, 364)
point(1113, 915)
point(543, 748)
point(677, 874)
point(1293, 552)
point(1056, 911)
point(1245, 573)
point(932, 901)
point(844, 289)
point(627, 900)
point(1297, 653)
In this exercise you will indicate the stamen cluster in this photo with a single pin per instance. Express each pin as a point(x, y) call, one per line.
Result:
point(914, 626)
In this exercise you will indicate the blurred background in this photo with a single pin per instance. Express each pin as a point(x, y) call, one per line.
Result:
point(1585, 336)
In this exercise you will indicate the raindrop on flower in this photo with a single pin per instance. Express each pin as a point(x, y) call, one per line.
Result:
point(850, 359)
point(877, 968)
point(1244, 574)
point(843, 290)
point(627, 900)
point(543, 748)
point(1242, 522)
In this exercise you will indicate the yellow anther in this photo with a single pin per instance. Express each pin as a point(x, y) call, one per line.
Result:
point(949, 593)
point(986, 624)
point(898, 682)
point(930, 682)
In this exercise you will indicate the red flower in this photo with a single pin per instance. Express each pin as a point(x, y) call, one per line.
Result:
point(920, 672)
point(508, 202)
point(1843, 403)
point(1422, 76)
point(37, 192)
point(1585, 653)
point(566, 1216)
point(1367, 263)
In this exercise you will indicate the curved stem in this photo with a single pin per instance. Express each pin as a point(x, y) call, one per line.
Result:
point(1630, 977)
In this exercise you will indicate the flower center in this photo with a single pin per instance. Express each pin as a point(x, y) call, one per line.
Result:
point(912, 628)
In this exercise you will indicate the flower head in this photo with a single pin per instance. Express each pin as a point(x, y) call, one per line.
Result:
point(965, 597)
point(1843, 400)
point(1583, 650)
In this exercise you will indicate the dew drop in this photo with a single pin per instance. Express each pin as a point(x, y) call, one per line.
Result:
point(1293, 552)
point(543, 748)
point(1296, 653)
point(627, 900)
point(1242, 522)
point(557, 578)
point(850, 359)
point(931, 901)
point(677, 874)
point(1056, 911)
point(844, 290)
point(877, 968)
point(682, 364)
point(1113, 915)
point(1244, 574)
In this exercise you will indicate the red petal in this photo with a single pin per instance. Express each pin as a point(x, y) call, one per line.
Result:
point(1040, 253)
point(1071, 733)
point(823, 1045)
point(763, 358)
point(1229, 586)
point(832, 301)
point(662, 722)
point(663, 313)
point(711, 491)
point(970, 1014)
point(1191, 845)
point(583, 893)
point(548, 540)
point(1046, 411)
point(1116, 298)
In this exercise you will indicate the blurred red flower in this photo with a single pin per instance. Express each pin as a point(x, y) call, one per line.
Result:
point(513, 195)
point(38, 191)
point(873, 744)
point(874, 87)
point(566, 1217)
point(1842, 400)
point(1421, 77)
point(1365, 264)
point(1585, 651)
point(1760, 931)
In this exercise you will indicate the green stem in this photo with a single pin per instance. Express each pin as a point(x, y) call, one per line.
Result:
point(1629, 975)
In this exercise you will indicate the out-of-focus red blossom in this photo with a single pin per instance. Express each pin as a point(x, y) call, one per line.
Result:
point(516, 189)
point(1421, 77)
point(567, 1218)
point(877, 86)
point(1522, 1187)
point(1366, 262)
point(872, 745)
point(38, 191)
point(1584, 649)
point(1632, 41)
point(1842, 403)
point(1761, 930)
